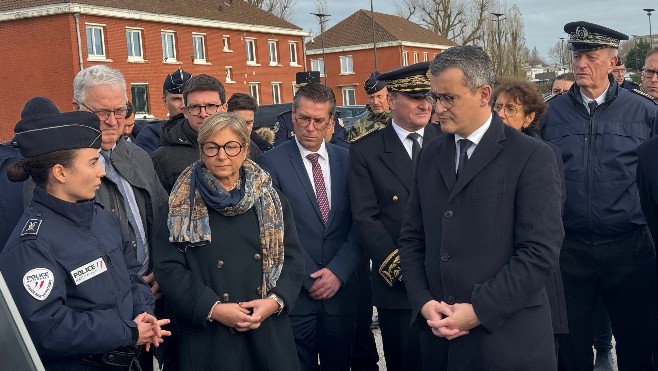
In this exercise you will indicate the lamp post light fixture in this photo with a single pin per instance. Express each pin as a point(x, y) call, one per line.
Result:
point(650, 34)
point(500, 52)
point(562, 61)
point(322, 17)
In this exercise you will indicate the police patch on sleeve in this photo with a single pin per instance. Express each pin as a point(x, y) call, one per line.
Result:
point(39, 282)
point(88, 271)
point(31, 227)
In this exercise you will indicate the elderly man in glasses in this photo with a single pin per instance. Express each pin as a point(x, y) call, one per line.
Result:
point(203, 96)
point(650, 73)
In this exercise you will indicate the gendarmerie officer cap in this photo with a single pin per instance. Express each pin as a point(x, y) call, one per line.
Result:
point(38, 106)
point(50, 132)
point(584, 36)
point(411, 80)
point(373, 84)
point(307, 77)
point(174, 81)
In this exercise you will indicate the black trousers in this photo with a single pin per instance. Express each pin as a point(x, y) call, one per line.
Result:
point(624, 272)
point(401, 340)
point(364, 349)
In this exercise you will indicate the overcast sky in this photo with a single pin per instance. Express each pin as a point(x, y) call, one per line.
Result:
point(543, 19)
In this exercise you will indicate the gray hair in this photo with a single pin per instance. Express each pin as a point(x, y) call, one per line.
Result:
point(473, 61)
point(222, 120)
point(651, 52)
point(94, 76)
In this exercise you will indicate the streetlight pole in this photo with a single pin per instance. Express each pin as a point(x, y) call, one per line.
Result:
point(562, 61)
point(324, 62)
point(650, 35)
point(500, 51)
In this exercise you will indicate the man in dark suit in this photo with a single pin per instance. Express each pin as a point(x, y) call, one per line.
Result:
point(313, 175)
point(381, 166)
point(482, 230)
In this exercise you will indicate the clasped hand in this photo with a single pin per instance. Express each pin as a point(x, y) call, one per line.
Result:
point(244, 316)
point(150, 330)
point(449, 321)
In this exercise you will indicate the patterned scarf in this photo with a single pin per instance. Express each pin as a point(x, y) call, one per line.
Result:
point(197, 189)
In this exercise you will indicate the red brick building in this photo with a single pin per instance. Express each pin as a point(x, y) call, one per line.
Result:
point(349, 52)
point(47, 42)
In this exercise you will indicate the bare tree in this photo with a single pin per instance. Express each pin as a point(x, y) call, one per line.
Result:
point(280, 8)
point(534, 58)
point(558, 54)
point(408, 9)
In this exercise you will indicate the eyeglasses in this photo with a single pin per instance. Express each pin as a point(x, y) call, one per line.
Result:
point(231, 148)
point(104, 114)
point(648, 74)
point(446, 100)
point(319, 124)
point(509, 110)
point(195, 110)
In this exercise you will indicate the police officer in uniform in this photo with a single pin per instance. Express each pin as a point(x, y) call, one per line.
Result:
point(284, 125)
point(68, 263)
point(619, 73)
point(607, 248)
point(378, 110)
point(381, 165)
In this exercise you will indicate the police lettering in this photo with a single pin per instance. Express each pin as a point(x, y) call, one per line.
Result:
point(83, 270)
point(36, 277)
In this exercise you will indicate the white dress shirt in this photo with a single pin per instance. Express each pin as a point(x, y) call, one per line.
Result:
point(323, 160)
point(475, 138)
point(599, 100)
point(403, 135)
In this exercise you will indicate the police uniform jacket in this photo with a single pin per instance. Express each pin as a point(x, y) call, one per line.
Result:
point(599, 157)
point(229, 270)
point(149, 137)
point(491, 238)
point(380, 182)
point(71, 271)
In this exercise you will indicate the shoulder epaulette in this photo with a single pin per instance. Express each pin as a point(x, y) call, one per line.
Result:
point(640, 92)
point(553, 97)
point(366, 134)
point(31, 228)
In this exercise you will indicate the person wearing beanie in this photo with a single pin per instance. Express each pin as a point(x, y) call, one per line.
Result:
point(378, 109)
point(68, 262)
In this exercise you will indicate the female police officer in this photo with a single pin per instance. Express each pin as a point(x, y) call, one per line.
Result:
point(68, 263)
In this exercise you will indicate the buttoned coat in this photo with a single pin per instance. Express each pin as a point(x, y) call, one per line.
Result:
point(330, 246)
point(490, 238)
point(380, 181)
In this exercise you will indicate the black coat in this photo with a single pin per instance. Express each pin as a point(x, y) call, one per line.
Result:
point(491, 238)
point(229, 270)
point(647, 182)
point(380, 182)
point(11, 194)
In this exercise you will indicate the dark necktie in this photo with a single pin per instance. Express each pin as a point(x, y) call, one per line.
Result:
point(320, 189)
point(464, 144)
point(592, 106)
point(112, 174)
point(415, 147)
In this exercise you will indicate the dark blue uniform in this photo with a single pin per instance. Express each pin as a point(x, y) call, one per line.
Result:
point(71, 271)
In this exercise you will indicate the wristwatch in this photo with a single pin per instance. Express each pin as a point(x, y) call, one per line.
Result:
point(278, 300)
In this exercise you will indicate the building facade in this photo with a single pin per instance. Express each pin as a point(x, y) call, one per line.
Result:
point(349, 51)
point(46, 44)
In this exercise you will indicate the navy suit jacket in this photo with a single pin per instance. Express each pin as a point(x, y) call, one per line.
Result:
point(331, 246)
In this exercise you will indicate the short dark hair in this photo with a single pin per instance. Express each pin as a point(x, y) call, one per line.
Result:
point(129, 109)
point(38, 167)
point(317, 93)
point(204, 83)
point(242, 102)
point(565, 76)
point(526, 93)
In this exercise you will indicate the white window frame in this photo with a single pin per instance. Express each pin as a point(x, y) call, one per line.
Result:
point(202, 52)
point(346, 98)
point(229, 74)
point(276, 92)
point(226, 42)
point(163, 35)
point(95, 54)
point(294, 88)
point(254, 91)
point(292, 51)
point(318, 65)
point(425, 56)
point(346, 65)
point(129, 36)
point(146, 87)
point(253, 58)
point(273, 50)
point(415, 57)
point(405, 58)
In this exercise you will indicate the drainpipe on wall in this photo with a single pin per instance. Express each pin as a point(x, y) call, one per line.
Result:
point(77, 33)
point(304, 49)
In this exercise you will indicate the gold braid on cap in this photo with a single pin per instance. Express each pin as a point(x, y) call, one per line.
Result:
point(581, 35)
point(409, 84)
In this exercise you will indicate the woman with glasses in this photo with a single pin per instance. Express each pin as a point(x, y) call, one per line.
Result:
point(229, 262)
point(520, 104)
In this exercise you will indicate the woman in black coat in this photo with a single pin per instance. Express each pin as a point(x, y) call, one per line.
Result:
point(519, 103)
point(229, 261)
